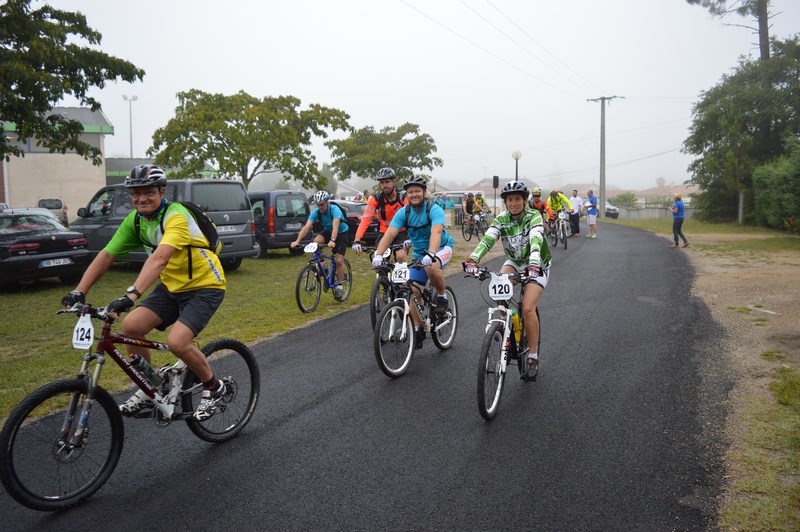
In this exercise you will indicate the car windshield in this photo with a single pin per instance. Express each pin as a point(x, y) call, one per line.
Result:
point(27, 223)
point(50, 204)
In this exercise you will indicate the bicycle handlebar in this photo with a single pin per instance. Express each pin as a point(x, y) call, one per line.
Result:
point(79, 308)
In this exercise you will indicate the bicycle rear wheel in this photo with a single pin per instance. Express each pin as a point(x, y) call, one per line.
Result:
point(347, 281)
point(394, 347)
point(380, 296)
point(308, 289)
point(234, 364)
point(444, 335)
point(40, 466)
point(466, 232)
point(490, 375)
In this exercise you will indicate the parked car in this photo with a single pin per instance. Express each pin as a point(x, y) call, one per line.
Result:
point(33, 245)
point(225, 202)
point(611, 211)
point(354, 210)
point(279, 215)
point(57, 207)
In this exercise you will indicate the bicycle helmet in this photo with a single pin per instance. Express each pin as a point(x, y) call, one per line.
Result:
point(320, 197)
point(515, 187)
point(146, 175)
point(386, 173)
point(416, 180)
point(537, 191)
point(479, 195)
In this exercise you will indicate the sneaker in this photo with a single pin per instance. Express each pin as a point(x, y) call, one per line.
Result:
point(594, 235)
point(337, 292)
point(673, 245)
point(208, 402)
point(533, 370)
point(587, 236)
point(684, 244)
point(137, 402)
point(441, 306)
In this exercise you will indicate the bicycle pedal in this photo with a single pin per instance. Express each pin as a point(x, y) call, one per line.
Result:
point(144, 413)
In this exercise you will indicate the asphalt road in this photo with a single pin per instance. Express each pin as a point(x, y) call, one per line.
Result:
point(622, 430)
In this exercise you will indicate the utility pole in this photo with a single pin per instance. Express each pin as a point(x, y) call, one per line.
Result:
point(601, 207)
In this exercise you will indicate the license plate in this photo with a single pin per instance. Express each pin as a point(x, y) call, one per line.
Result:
point(226, 229)
point(55, 262)
point(294, 226)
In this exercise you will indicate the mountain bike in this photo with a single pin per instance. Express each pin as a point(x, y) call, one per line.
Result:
point(394, 339)
point(317, 276)
point(560, 231)
point(62, 442)
point(383, 290)
point(475, 229)
point(505, 338)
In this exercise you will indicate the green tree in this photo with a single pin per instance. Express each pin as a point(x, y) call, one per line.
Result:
point(777, 190)
point(727, 128)
point(365, 151)
point(625, 199)
point(41, 61)
point(242, 136)
point(758, 9)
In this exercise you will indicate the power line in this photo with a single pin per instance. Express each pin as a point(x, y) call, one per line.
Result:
point(478, 46)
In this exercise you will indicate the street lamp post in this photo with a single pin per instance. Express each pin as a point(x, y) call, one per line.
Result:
point(516, 154)
point(130, 100)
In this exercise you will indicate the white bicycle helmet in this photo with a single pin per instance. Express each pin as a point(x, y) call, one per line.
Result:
point(321, 197)
point(386, 173)
point(146, 175)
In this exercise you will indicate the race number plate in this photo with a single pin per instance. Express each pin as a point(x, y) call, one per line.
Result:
point(83, 334)
point(310, 248)
point(400, 273)
point(500, 287)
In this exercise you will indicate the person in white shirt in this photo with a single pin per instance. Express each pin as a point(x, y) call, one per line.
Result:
point(575, 215)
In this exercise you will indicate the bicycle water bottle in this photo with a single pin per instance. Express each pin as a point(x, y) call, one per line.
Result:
point(143, 367)
point(516, 325)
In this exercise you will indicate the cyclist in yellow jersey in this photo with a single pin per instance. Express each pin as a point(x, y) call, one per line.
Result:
point(558, 201)
point(184, 299)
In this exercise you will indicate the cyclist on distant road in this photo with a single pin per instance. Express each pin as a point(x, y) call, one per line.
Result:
point(537, 203)
point(469, 208)
point(383, 206)
point(432, 245)
point(522, 233)
point(191, 289)
point(332, 228)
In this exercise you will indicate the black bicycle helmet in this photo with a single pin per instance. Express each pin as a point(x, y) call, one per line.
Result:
point(386, 173)
point(416, 180)
point(514, 187)
point(146, 175)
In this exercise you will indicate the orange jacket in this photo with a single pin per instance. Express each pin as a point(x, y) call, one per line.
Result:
point(543, 208)
point(384, 214)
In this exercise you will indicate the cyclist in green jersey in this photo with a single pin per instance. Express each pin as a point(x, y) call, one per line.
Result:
point(191, 289)
point(522, 232)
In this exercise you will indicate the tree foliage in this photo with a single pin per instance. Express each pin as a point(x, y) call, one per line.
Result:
point(625, 199)
point(776, 189)
point(40, 63)
point(758, 9)
point(365, 151)
point(728, 129)
point(242, 136)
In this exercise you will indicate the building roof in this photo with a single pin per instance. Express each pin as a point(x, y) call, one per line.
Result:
point(93, 121)
point(669, 190)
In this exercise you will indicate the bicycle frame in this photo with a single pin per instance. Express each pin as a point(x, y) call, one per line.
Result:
point(415, 291)
point(330, 278)
point(107, 346)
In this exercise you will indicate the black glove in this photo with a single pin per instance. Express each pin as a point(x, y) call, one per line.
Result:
point(73, 297)
point(118, 306)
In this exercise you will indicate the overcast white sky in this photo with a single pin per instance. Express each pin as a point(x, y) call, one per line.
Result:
point(483, 77)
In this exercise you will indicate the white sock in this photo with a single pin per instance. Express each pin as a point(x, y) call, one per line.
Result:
point(534, 355)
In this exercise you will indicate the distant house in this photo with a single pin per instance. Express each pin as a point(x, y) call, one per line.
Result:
point(665, 195)
point(41, 174)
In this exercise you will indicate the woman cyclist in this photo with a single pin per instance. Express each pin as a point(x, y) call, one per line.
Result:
point(522, 232)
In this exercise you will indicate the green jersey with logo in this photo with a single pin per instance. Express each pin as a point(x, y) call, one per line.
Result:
point(523, 239)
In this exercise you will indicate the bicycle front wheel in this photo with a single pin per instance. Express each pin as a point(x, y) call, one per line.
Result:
point(444, 331)
point(394, 340)
point(380, 296)
point(308, 289)
point(466, 232)
point(234, 364)
point(490, 374)
point(564, 235)
point(44, 465)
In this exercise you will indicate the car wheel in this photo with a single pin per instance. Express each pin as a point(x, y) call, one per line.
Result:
point(232, 264)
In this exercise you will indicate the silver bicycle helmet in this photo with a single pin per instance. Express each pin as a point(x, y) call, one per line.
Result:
point(386, 173)
point(416, 180)
point(146, 175)
point(321, 197)
point(514, 187)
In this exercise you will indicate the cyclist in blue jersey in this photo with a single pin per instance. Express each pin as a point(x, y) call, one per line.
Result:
point(424, 221)
point(331, 228)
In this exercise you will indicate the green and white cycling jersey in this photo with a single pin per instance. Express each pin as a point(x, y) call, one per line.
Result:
point(523, 240)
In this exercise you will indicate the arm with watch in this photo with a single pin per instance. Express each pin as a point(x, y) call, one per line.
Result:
point(334, 232)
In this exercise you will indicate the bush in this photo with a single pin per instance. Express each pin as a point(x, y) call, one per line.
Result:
point(776, 191)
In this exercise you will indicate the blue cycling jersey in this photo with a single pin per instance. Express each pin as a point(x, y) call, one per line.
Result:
point(419, 227)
